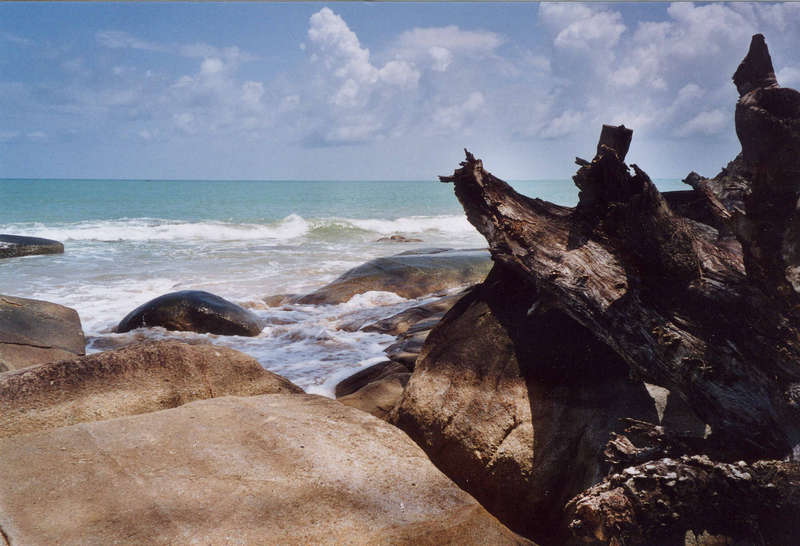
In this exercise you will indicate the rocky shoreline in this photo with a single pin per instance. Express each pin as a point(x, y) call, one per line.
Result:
point(621, 372)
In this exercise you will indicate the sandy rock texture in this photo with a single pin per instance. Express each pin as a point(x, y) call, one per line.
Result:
point(136, 379)
point(272, 469)
point(35, 331)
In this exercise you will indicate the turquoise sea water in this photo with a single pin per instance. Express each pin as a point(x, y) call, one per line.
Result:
point(128, 241)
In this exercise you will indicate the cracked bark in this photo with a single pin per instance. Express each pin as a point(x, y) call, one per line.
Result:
point(713, 321)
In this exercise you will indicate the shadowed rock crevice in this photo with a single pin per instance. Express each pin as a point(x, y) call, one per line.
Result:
point(658, 290)
point(514, 401)
point(693, 291)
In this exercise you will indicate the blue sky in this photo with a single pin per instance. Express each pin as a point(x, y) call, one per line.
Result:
point(372, 90)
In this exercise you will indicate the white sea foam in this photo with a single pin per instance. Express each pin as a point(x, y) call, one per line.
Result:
point(415, 224)
point(291, 228)
point(112, 266)
point(153, 229)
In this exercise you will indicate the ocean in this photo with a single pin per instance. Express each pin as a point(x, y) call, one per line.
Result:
point(128, 241)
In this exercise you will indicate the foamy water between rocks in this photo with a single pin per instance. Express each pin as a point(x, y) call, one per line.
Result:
point(127, 242)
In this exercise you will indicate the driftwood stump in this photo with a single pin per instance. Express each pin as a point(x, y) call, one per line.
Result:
point(708, 309)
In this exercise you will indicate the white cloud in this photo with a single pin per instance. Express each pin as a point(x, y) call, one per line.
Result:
point(212, 65)
point(438, 47)
point(454, 117)
point(185, 122)
point(37, 136)
point(117, 39)
point(7, 136)
point(452, 37)
point(251, 95)
point(340, 51)
point(706, 123)
point(399, 73)
point(441, 57)
point(789, 76)
point(565, 124)
point(582, 27)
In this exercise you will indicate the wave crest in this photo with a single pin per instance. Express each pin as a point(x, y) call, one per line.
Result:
point(290, 228)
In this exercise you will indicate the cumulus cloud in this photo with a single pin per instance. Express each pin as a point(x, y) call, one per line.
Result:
point(789, 76)
point(438, 47)
point(340, 51)
point(454, 116)
point(582, 27)
point(364, 97)
point(706, 123)
point(565, 124)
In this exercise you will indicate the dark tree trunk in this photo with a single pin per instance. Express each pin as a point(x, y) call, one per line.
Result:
point(712, 317)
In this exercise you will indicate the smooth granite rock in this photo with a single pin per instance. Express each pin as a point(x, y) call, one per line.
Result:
point(35, 331)
point(272, 469)
point(409, 274)
point(136, 379)
point(515, 403)
point(193, 311)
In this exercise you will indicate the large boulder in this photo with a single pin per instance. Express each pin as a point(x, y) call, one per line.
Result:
point(515, 401)
point(193, 311)
point(273, 469)
point(136, 379)
point(410, 274)
point(12, 246)
point(35, 331)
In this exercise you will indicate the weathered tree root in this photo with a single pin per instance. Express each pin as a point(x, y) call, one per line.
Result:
point(683, 306)
point(659, 501)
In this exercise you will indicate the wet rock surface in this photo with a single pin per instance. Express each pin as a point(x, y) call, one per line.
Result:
point(35, 331)
point(410, 274)
point(12, 246)
point(193, 311)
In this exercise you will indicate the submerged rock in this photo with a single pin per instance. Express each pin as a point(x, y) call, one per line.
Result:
point(272, 469)
point(12, 246)
point(136, 379)
point(35, 331)
point(400, 323)
point(367, 375)
point(193, 311)
point(409, 274)
point(398, 239)
point(515, 403)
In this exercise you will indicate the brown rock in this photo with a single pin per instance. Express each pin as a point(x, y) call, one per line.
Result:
point(136, 379)
point(400, 323)
point(367, 375)
point(272, 469)
point(408, 274)
point(515, 403)
point(378, 397)
point(35, 331)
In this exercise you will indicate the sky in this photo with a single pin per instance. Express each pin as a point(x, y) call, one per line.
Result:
point(375, 91)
